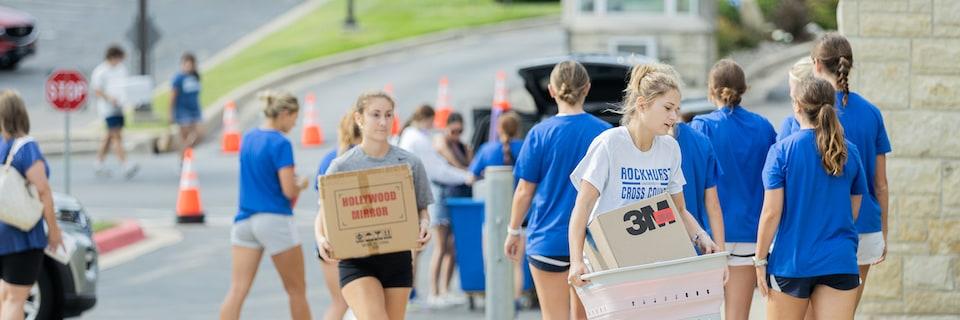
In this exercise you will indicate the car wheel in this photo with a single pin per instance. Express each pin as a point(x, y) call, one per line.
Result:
point(9, 65)
point(42, 302)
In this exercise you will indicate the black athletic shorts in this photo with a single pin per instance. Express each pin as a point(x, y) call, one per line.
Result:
point(803, 287)
point(21, 268)
point(393, 270)
point(550, 263)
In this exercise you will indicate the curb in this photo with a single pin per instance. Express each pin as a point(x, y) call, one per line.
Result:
point(126, 233)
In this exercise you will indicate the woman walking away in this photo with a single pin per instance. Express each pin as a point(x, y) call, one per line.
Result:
point(701, 170)
point(814, 184)
point(21, 252)
point(863, 126)
point(642, 144)
point(348, 136)
point(549, 154)
point(378, 286)
point(264, 222)
point(741, 139)
point(185, 101)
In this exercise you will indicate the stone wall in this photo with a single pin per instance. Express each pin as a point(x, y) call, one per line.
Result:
point(907, 61)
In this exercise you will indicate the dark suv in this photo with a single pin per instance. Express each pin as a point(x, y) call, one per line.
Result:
point(67, 290)
point(608, 77)
point(18, 37)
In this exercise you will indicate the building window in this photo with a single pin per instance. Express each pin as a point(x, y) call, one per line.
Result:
point(666, 7)
point(587, 5)
point(643, 46)
point(654, 6)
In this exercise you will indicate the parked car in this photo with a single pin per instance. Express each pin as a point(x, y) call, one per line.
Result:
point(67, 290)
point(18, 37)
point(608, 76)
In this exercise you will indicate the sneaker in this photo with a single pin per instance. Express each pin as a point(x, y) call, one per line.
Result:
point(101, 170)
point(437, 302)
point(454, 299)
point(129, 170)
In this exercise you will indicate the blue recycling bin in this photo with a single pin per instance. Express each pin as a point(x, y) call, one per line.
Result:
point(467, 222)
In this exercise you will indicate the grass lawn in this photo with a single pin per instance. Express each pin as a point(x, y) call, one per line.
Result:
point(101, 225)
point(320, 34)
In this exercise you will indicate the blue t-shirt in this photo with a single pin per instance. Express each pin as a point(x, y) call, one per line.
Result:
point(14, 240)
point(863, 126)
point(491, 154)
point(187, 103)
point(263, 153)
point(816, 235)
point(551, 151)
point(324, 164)
point(700, 169)
point(741, 140)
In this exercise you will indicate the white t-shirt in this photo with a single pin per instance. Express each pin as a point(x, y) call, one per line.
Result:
point(623, 174)
point(420, 143)
point(108, 79)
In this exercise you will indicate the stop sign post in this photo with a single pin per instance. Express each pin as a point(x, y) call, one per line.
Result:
point(66, 91)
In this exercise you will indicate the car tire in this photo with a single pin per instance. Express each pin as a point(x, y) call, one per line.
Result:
point(9, 65)
point(44, 298)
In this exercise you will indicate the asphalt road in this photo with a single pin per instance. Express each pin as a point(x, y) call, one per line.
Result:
point(76, 33)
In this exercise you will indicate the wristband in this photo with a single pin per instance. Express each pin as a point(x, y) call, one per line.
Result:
point(759, 262)
point(514, 232)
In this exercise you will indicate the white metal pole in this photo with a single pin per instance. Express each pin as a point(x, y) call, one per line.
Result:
point(499, 269)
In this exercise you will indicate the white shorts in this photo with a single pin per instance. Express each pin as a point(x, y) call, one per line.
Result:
point(274, 233)
point(741, 253)
point(871, 248)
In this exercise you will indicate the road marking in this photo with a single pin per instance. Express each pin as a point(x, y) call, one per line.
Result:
point(156, 238)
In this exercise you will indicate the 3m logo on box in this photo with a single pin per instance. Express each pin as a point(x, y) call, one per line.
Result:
point(370, 212)
point(644, 232)
point(646, 219)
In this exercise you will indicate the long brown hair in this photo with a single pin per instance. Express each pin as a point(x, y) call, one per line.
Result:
point(726, 83)
point(833, 51)
point(348, 133)
point(570, 80)
point(816, 99)
point(509, 125)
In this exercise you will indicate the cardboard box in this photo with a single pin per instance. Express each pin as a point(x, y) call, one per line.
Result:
point(648, 231)
point(370, 212)
point(590, 251)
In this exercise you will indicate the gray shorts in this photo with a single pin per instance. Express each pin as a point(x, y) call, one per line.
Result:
point(274, 233)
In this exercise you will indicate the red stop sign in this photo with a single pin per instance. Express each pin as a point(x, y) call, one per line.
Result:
point(66, 90)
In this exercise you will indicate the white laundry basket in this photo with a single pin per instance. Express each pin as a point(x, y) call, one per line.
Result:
point(688, 288)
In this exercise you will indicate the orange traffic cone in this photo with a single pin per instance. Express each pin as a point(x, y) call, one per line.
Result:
point(231, 132)
point(501, 103)
point(501, 98)
point(189, 209)
point(311, 136)
point(443, 104)
point(395, 130)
